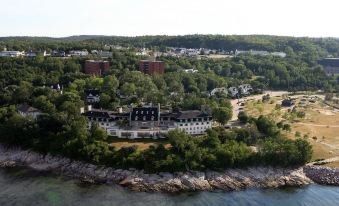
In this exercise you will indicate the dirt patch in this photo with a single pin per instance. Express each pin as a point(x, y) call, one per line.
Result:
point(326, 112)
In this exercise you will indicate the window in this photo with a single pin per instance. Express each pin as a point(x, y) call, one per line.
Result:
point(186, 124)
point(144, 118)
point(136, 118)
point(197, 123)
point(152, 112)
point(180, 125)
point(152, 118)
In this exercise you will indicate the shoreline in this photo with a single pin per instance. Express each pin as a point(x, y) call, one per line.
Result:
point(137, 180)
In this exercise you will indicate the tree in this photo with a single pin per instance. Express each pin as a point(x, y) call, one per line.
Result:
point(128, 89)
point(44, 104)
point(222, 114)
point(110, 85)
point(243, 117)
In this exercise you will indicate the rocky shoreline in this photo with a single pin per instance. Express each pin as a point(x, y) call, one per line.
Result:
point(228, 180)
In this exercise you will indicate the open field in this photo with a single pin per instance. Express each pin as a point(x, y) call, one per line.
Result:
point(320, 124)
point(140, 143)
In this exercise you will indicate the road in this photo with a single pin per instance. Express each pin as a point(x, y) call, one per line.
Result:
point(318, 125)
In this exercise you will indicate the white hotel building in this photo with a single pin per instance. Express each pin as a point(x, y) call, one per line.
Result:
point(149, 122)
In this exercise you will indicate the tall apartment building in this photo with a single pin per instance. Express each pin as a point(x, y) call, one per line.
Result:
point(96, 67)
point(152, 67)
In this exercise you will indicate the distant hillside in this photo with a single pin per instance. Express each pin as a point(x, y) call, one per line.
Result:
point(317, 47)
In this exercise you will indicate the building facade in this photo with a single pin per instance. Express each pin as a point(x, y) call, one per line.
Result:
point(92, 96)
point(152, 67)
point(11, 54)
point(149, 122)
point(26, 110)
point(96, 68)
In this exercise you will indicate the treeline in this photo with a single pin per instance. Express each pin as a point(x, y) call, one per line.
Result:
point(314, 47)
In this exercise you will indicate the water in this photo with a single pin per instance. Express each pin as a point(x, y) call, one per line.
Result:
point(24, 187)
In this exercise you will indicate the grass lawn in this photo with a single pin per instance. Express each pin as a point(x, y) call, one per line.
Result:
point(140, 143)
point(320, 121)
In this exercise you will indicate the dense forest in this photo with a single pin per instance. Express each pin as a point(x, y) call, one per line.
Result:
point(61, 130)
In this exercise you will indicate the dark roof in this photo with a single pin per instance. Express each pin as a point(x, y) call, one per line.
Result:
point(334, 62)
point(145, 114)
point(104, 114)
point(27, 109)
point(97, 114)
point(191, 114)
point(94, 92)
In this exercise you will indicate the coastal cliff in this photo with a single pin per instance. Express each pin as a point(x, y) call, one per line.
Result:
point(228, 180)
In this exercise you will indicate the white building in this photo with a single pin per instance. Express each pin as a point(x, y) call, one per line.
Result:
point(11, 54)
point(26, 110)
point(220, 90)
point(77, 53)
point(233, 92)
point(245, 89)
point(148, 122)
point(191, 71)
point(34, 54)
point(193, 122)
point(92, 96)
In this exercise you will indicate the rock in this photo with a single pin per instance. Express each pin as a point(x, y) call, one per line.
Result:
point(137, 180)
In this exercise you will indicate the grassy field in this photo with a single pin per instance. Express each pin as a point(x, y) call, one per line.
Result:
point(140, 143)
point(320, 124)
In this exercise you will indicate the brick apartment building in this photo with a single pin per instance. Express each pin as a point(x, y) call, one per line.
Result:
point(152, 67)
point(96, 67)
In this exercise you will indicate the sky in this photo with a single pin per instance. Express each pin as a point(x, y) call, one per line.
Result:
point(60, 18)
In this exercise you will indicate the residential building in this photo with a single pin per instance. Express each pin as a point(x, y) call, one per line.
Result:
point(11, 54)
point(92, 96)
point(260, 53)
point(35, 53)
point(152, 67)
point(233, 92)
point(245, 89)
point(191, 71)
point(96, 67)
point(220, 90)
point(58, 53)
point(331, 65)
point(78, 53)
point(192, 122)
point(102, 54)
point(26, 110)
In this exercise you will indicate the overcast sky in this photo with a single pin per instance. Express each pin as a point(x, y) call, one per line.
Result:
point(58, 18)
